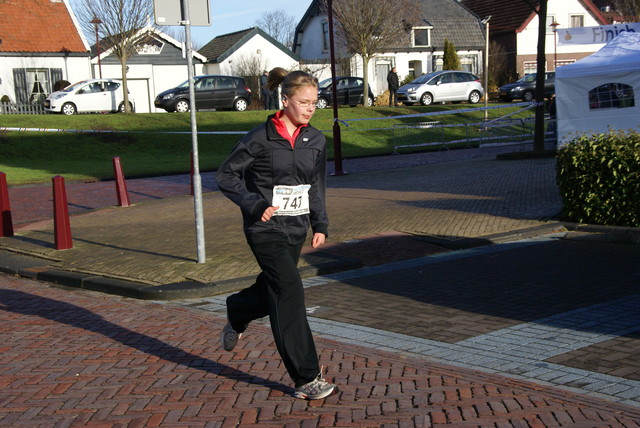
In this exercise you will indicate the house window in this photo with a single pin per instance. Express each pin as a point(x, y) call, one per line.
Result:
point(576, 21)
point(611, 95)
point(530, 67)
point(421, 36)
point(33, 85)
point(325, 36)
point(562, 62)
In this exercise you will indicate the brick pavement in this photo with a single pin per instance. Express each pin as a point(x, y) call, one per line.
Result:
point(454, 201)
point(383, 216)
point(76, 358)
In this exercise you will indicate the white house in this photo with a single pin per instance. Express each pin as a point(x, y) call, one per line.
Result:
point(246, 50)
point(422, 53)
point(40, 44)
point(514, 26)
point(158, 64)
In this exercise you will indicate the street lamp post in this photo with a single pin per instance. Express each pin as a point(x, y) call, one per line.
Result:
point(555, 24)
point(96, 21)
point(486, 66)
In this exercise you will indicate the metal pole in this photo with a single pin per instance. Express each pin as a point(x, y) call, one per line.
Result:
point(96, 21)
point(337, 143)
point(197, 182)
point(486, 66)
point(554, 24)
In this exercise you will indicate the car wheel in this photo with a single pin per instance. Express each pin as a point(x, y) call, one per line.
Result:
point(369, 101)
point(69, 109)
point(474, 97)
point(322, 103)
point(426, 99)
point(240, 104)
point(527, 96)
point(121, 108)
point(182, 106)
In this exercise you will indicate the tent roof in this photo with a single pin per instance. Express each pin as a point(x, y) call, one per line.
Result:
point(619, 55)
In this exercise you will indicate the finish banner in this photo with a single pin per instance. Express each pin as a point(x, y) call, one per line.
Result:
point(594, 35)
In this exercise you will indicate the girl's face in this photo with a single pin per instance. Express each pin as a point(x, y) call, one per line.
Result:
point(300, 107)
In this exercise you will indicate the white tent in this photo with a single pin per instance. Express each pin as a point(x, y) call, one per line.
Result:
point(600, 92)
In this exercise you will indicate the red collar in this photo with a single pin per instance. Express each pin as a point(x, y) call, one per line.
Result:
point(282, 130)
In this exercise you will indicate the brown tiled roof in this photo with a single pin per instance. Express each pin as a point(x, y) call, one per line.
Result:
point(38, 26)
point(513, 15)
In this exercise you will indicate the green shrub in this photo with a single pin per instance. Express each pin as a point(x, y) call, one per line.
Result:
point(599, 179)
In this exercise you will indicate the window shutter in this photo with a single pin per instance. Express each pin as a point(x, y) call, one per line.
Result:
point(20, 83)
point(56, 76)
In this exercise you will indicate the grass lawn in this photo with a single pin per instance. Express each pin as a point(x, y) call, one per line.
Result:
point(160, 143)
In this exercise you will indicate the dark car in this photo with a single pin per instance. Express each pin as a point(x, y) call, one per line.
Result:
point(212, 92)
point(349, 91)
point(525, 88)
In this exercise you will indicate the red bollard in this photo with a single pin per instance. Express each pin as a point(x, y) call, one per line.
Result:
point(6, 224)
point(191, 174)
point(61, 224)
point(121, 185)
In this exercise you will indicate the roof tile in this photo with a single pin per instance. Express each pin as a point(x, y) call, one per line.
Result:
point(38, 26)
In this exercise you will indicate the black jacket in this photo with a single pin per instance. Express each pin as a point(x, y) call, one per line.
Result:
point(393, 81)
point(264, 159)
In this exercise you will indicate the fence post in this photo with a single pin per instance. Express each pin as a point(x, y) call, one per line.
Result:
point(6, 224)
point(61, 224)
point(121, 185)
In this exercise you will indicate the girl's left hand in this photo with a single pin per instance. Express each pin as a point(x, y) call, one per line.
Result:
point(318, 239)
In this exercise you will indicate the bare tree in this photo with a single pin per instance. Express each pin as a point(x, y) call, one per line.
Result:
point(629, 9)
point(122, 22)
point(279, 25)
point(371, 27)
point(497, 66)
point(250, 67)
point(540, 8)
point(178, 33)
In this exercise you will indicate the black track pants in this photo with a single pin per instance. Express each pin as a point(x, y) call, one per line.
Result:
point(278, 292)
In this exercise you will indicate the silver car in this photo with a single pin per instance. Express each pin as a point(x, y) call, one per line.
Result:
point(446, 85)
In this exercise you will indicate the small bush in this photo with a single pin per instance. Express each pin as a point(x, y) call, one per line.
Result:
point(599, 179)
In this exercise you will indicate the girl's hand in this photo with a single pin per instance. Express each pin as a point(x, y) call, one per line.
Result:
point(268, 213)
point(318, 239)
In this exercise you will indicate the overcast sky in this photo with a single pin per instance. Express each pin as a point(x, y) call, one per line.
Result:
point(228, 16)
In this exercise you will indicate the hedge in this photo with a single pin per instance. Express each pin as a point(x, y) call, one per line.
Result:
point(599, 179)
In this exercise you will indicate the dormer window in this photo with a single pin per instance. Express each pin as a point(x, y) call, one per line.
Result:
point(421, 36)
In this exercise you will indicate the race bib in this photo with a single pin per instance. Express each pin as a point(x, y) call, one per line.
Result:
point(292, 200)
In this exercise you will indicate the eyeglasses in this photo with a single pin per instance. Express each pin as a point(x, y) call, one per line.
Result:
point(305, 104)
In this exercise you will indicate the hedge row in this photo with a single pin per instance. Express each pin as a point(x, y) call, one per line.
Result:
point(599, 179)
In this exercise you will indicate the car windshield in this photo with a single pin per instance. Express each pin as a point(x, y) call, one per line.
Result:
point(425, 78)
point(75, 86)
point(324, 84)
point(529, 78)
point(184, 84)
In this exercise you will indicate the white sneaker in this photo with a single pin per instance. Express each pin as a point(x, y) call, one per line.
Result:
point(229, 337)
point(316, 389)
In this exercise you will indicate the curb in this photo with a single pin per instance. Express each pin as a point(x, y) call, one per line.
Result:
point(32, 267)
point(14, 263)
